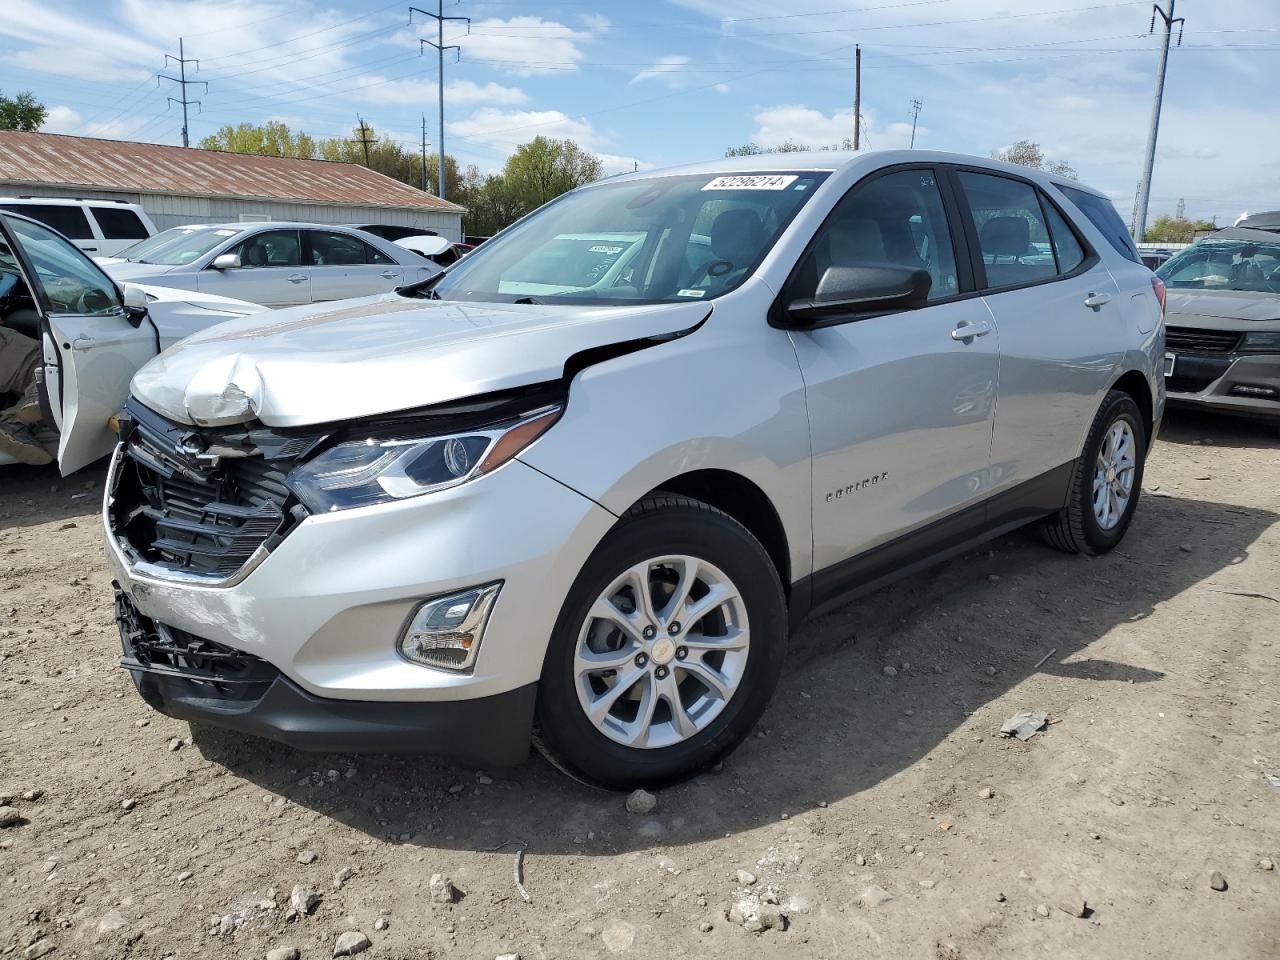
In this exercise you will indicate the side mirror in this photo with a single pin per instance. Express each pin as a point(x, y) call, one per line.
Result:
point(226, 261)
point(135, 303)
point(873, 288)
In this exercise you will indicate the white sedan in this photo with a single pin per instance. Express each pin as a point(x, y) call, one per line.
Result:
point(274, 264)
point(94, 333)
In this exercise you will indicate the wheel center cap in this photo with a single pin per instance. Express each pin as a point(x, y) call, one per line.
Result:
point(663, 652)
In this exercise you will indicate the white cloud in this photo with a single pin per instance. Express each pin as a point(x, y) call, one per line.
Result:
point(805, 125)
point(723, 88)
point(507, 128)
point(61, 120)
point(667, 68)
point(423, 93)
point(525, 46)
point(614, 164)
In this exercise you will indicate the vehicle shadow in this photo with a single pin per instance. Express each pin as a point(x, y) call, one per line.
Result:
point(1188, 427)
point(957, 636)
point(25, 491)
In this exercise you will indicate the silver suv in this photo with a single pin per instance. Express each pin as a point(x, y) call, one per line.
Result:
point(464, 515)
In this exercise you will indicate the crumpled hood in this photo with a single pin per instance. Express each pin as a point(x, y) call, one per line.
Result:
point(1225, 304)
point(376, 355)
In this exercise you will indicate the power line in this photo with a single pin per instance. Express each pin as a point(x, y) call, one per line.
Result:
point(441, 47)
point(182, 81)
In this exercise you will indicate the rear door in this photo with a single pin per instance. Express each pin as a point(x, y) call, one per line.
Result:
point(90, 347)
point(270, 272)
point(1061, 325)
point(345, 266)
point(120, 227)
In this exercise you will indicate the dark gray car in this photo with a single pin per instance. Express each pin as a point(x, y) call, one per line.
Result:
point(1223, 324)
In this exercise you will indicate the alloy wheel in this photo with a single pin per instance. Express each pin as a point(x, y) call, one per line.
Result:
point(1113, 474)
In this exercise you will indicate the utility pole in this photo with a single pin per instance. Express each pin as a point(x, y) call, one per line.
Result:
point(440, 19)
point(857, 97)
point(424, 153)
point(1144, 191)
point(365, 139)
point(1182, 208)
point(182, 81)
point(915, 112)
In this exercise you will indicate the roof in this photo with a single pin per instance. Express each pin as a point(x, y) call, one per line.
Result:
point(1244, 233)
point(832, 160)
point(47, 159)
point(1266, 220)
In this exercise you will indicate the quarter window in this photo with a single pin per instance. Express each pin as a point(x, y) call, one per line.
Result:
point(118, 223)
point(894, 219)
point(1103, 216)
point(271, 248)
point(1012, 235)
point(1065, 245)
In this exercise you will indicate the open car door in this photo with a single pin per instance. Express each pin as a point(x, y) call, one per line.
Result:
point(91, 344)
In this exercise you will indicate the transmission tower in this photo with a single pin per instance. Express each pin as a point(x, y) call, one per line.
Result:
point(440, 48)
point(182, 82)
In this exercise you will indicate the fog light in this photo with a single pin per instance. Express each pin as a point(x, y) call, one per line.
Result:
point(445, 632)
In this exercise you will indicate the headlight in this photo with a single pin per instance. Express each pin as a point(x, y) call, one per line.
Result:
point(382, 468)
point(1268, 342)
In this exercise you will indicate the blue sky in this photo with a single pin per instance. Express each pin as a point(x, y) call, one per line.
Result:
point(667, 81)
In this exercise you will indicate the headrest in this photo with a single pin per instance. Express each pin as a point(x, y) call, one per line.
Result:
point(255, 255)
point(1006, 236)
point(856, 241)
point(736, 236)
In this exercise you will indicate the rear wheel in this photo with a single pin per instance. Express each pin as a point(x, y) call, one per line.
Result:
point(1107, 481)
point(666, 651)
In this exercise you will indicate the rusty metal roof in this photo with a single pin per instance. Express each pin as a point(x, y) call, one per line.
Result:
point(47, 159)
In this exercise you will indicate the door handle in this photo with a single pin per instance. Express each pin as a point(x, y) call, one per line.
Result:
point(390, 274)
point(83, 343)
point(297, 278)
point(89, 249)
point(966, 331)
point(1096, 300)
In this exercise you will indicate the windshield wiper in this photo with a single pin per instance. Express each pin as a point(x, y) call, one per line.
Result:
point(526, 299)
point(422, 289)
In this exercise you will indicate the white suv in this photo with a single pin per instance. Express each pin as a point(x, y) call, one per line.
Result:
point(101, 228)
point(447, 518)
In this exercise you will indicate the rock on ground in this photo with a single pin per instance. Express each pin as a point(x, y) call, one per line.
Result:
point(442, 889)
point(350, 943)
point(283, 953)
point(641, 802)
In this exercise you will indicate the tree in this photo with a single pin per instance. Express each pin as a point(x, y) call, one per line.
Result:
point(23, 112)
point(1027, 153)
point(1168, 229)
point(272, 139)
point(753, 149)
point(542, 169)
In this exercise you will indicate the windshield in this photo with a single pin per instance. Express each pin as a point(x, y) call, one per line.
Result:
point(178, 246)
point(653, 240)
point(1225, 265)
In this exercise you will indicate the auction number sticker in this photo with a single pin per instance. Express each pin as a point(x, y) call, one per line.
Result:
point(754, 181)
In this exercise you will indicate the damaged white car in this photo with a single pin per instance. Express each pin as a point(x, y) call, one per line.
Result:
point(72, 339)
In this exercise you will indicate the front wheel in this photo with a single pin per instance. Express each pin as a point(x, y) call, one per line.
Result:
point(1107, 481)
point(666, 650)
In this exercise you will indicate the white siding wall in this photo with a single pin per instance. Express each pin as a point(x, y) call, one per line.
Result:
point(168, 210)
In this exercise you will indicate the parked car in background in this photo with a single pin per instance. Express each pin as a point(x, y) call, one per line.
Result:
point(99, 227)
point(275, 264)
point(433, 520)
point(437, 249)
point(95, 333)
point(137, 251)
point(1223, 324)
point(1152, 259)
point(390, 231)
point(1268, 220)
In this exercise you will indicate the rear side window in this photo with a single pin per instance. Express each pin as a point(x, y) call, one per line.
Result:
point(341, 249)
point(1103, 216)
point(118, 223)
point(69, 221)
point(1065, 244)
point(1012, 235)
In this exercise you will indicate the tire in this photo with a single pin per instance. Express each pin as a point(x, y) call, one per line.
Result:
point(1077, 527)
point(651, 538)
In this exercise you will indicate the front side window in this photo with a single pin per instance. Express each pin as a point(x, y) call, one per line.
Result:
point(271, 248)
point(68, 220)
point(652, 240)
point(72, 283)
point(895, 219)
point(119, 223)
point(1225, 264)
point(1012, 237)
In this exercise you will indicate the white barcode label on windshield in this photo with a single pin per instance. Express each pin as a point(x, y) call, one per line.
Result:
point(754, 181)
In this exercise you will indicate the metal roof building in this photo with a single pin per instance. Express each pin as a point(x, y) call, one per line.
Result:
point(178, 185)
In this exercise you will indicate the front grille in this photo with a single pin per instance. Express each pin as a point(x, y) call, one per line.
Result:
point(152, 647)
point(202, 502)
point(1184, 339)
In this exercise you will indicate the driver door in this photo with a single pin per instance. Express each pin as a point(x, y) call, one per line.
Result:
point(91, 348)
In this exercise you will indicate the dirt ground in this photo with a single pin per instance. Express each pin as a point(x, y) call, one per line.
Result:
point(1160, 683)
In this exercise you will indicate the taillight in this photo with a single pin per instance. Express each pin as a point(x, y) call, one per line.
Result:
point(1158, 286)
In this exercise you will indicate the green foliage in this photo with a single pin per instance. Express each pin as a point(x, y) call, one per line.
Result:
point(272, 139)
point(1027, 153)
point(23, 112)
point(753, 149)
point(1168, 229)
